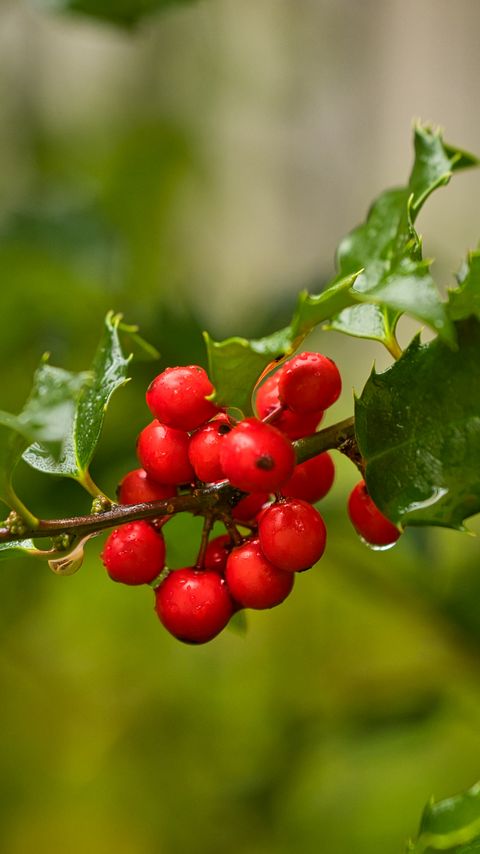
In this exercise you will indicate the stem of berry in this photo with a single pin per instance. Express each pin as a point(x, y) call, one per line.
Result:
point(207, 527)
point(330, 438)
point(232, 529)
point(274, 415)
point(25, 516)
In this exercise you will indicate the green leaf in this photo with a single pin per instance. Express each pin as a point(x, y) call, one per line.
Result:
point(236, 364)
point(17, 548)
point(83, 400)
point(125, 13)
point(109, 372)
point(464, 301)
point(435, 162)
point(314, 309)
point(451, 825)
point(419, 421)
point(45, 417)
point(395, 279)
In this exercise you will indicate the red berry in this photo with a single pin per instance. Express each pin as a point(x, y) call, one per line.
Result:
point(134, 553)
point(293, 424)
point(309, 382)
point(253, 581)
point(177, 397)
point(292, 535)
point(137, 487)
point(311, 480)
point(217, 552)
point(256, 457)
point(249, 507)
point(204, 449)
point(163, 453)
point(368, 520)
point(193, 605)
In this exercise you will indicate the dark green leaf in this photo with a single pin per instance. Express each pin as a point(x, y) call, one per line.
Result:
point(451, 825)
point(420, 422)
point(395, 279)
point(109, 372)
point(125, 13)
point(465, 300)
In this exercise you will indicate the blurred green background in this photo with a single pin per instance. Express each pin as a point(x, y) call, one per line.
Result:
point(196, 173)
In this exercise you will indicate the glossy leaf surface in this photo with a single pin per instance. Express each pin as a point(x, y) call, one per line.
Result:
point(395, 279)
point(83, 400)
point(418, 428)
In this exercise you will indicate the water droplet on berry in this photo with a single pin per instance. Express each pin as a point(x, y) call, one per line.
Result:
point(375, 548)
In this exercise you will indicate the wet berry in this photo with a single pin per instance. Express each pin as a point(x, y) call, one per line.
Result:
point(368, 520)
point(204, 449)
point(256, 457)
point(134, 553)
point(292, 534)
point(309, 382)
point(163, 453)
point(177, 397)
point(295, 425)
point(253, 581)
point(311, 480)
point(193, 605)
point(217, 553)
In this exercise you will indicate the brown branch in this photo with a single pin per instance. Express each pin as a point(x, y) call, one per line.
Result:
point(216, 500)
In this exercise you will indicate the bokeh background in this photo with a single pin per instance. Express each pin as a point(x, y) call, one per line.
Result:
point(195, 173)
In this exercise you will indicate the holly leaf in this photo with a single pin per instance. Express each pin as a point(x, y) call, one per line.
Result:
point(464, 301)
point(419, 422)
point(125, 13)
point(84, 398)
point(451, 825)
point(236, 364)
point(44, 418)
point(395, 279)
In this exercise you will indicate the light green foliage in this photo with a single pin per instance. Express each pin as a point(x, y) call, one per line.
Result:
point(45, 419)
point(451, 825)
point(395, 279)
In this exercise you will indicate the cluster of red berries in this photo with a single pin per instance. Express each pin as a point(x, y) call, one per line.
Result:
point(192, 442)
